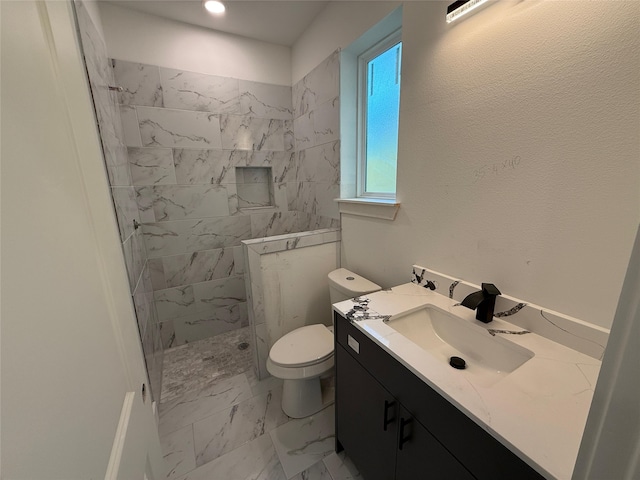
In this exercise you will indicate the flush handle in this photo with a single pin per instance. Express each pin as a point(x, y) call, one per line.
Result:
point(404, 439)
point(387, 419)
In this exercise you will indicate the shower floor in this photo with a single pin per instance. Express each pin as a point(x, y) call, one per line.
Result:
point(193, 367)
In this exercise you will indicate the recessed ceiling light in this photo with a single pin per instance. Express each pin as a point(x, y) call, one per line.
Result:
point(214, 6)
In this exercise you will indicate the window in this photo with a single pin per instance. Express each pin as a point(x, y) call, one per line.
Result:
point(378, 118)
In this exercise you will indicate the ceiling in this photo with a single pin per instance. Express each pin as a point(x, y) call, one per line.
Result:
point(279, 22)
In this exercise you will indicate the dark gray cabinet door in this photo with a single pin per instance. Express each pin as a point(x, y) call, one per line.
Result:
point(420, 455)
point(366, 419)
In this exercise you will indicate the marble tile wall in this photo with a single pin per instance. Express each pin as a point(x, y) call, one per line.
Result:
point(121, 179)
point(287, 286)
point(198, 148)
point(316, 125)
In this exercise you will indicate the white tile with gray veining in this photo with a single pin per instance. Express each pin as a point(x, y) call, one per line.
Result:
point(250, 133)
point(124, 200)
point(232, 198)
point(195, 267)
point(176, 302)
point(325, 196)
point(220, 293)
point(224, 431)
point(261, 246)
point(324, 80)
point(131, 126)
point(162, 203)
point(209, 323)
point(152, 166)
point(310, 222)
point(341, 467)
point(238, 260)
point(304, 132)
point(178, 452)
point(317, 471)
point(276, 223)
point(320, 164)
point(197, 91)
point(262, 348)
point(302, 196)
point(254, 195)
point(156, 273)
point(167, 334)
point(187, 236)
point(256, 459)
point(212, 399)
point(283, 164)
point(326, 122)
point(141, 83)
point(301, 443)
point(178, 128)
point(303, 98)
point(265, 100)
point(142, 302)
point(134, 256)
point(195, 166)
point(280, 201)
point(289, 137)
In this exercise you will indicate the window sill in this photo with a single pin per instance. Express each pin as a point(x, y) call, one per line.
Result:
point(385, 209)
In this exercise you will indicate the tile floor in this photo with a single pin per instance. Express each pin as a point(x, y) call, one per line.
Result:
point(218, 422)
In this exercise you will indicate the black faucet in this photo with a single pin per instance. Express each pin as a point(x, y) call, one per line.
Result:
point(483, 302)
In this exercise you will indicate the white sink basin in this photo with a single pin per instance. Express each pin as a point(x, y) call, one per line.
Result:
point(442, 334)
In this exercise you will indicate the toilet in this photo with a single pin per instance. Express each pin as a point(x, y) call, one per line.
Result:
point(303, 358)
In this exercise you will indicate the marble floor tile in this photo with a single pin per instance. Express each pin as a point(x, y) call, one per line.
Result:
point(191, 369)
point(179, 455)
point(261, 386)
point(226, 430)
point(341, 467)
point(216, 398)
point(303, 442)
point(256, 460)
point(317, 471)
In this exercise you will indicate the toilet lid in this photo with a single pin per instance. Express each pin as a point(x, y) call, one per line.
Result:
point(305, 345)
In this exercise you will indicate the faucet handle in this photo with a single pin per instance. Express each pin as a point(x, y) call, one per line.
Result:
point(490, 289)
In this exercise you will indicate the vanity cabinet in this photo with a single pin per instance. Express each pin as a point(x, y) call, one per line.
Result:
point(394, 426)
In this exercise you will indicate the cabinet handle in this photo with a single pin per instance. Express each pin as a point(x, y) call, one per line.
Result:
point(404, 439)
point(388, 420)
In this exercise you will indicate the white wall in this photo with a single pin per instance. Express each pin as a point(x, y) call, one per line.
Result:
point(337, 26)
point(519, 156)
point(143, 38)
point(70, 347)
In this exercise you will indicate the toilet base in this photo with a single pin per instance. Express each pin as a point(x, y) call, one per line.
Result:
point(302, 398)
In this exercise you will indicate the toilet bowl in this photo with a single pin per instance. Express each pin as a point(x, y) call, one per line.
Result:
point(304, 356)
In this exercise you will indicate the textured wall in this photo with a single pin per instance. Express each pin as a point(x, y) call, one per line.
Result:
point(519, 156)
point(123, 193)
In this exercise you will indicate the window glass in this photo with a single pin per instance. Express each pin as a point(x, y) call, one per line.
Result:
point(382, 105)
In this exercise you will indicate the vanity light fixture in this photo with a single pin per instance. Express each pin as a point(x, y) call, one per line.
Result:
point(214, 6)
point(462, 7)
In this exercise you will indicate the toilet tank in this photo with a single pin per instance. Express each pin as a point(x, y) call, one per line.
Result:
point(344, 284)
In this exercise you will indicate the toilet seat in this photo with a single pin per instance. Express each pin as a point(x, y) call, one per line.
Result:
point(302, 347)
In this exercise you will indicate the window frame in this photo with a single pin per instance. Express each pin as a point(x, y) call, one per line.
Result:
point(361, 159)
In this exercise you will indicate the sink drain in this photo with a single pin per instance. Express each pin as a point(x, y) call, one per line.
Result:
point(243, 346)
point(457, 362)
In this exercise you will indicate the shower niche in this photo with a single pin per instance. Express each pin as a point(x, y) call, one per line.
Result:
point(255, 187)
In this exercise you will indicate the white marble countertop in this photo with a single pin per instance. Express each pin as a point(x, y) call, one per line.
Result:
point(538, 411)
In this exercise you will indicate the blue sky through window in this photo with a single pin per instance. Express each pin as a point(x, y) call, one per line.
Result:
point(383, 112)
